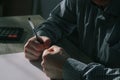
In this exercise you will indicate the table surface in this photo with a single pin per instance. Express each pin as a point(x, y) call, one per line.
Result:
point(17, 67)
point(18, 21)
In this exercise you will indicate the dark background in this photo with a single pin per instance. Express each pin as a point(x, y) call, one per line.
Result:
point(27, 7)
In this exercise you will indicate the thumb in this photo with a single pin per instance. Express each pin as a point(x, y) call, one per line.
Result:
point(46, 41)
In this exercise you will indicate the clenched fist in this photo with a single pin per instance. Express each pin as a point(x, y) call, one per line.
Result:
point(53, 60)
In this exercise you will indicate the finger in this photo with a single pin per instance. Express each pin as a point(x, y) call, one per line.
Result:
point(48, 64)
point(55, 49)
point(59, 50)
point(48, 72)
point(36, 45)
point(31, 50)
point(48, 52)
point(47, 41)
point(45, 53)
point(45, 64)
point(51, 54)
point(31, 56)
point(48, 57)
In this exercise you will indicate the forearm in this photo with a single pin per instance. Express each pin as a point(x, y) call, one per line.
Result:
point(73, 69)
point(76, 70)
point(60, 22)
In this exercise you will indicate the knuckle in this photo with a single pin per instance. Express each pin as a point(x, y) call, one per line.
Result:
point(44, 57)
point(59, 48)
point(39, 48)
point(26, 45)
point(25, 51)
point(30, 40)
point(45, 51)
point(42, 64)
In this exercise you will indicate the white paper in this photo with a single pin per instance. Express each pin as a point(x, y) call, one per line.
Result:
point(16, 67)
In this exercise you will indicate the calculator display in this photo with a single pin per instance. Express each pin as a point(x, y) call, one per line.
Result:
point(10, 33)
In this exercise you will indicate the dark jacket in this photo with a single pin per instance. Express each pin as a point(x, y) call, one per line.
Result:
point(99, 37)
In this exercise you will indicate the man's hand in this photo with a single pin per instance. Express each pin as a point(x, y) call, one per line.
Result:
point(53, 60)
point(33, 49)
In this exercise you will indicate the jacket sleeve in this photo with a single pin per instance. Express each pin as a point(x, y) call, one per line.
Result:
point(60, 22)
point(76, 70)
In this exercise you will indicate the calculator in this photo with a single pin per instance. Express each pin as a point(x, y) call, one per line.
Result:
point(10, 33)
